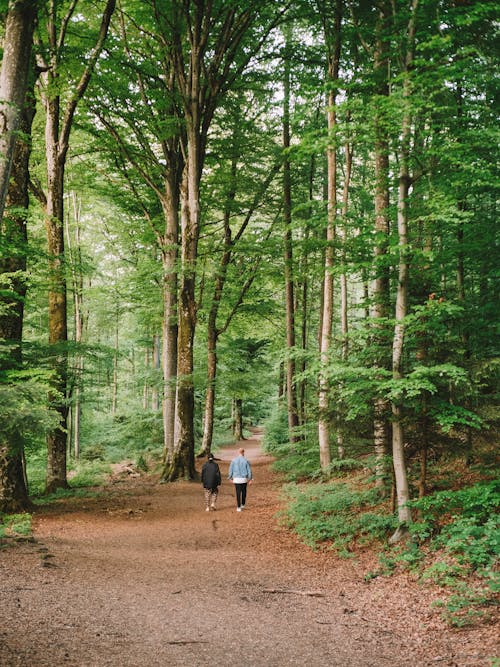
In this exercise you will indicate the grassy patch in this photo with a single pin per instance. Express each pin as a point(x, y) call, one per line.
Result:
point(15, 525)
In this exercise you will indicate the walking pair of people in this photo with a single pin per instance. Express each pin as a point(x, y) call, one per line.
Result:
point(240, 473)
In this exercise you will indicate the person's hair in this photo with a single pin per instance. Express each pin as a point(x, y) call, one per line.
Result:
point(241, 450)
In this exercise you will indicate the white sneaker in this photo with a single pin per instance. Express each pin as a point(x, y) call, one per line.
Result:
point(243, 507)
point(208, 509)
point(238, 509)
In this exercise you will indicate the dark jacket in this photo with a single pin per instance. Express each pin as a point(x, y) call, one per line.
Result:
point(210, 475)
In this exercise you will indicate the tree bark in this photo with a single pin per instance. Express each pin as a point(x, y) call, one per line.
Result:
point(400, 472)
point(327, 310)
point(380, 284)
point(291, 391)
point(182, 461)
point(238, 419)
point(155, 363)
point(75, 252)
point(16, 62)
point(344, 321)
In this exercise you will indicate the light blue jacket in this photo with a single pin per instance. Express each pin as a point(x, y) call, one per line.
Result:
point(240, 468)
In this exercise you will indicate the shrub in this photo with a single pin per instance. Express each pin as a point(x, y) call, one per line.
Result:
point(336, 513)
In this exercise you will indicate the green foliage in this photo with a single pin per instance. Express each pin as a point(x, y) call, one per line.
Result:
point(81, 474)
point(339, 467)
point(465, 524)
point(467, 605)
point(336, 513)
point(88, 473)
point(114, 438)
point(15, 525)
point(23, 401)
point(296, 460)
point(276, 431)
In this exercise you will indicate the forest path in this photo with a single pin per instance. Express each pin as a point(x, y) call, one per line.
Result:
point(142, 576)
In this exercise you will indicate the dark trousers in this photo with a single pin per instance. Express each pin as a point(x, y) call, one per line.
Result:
point(241, 493)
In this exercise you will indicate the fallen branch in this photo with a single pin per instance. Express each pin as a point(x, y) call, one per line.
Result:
point(183, 642)
point(288, 591)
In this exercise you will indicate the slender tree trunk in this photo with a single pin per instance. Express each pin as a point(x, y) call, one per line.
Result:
point(327, 311)
point(58, 332)
point(114, 388)
point(155, 399)
point(380, 285)
point(291, 392)
point(79, 317)
point(238, 419)
point(400, 472)
point(170, 326)
point(344, 322)
point(220, 279)
point(145, 389)
point(16, 62)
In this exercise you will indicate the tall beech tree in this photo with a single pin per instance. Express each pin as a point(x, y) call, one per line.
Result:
point(143, 134)
point(51, 40)
point(332, 32)
point(401, 307)
point(380, 283)
point(208, 56)
point(290, 305)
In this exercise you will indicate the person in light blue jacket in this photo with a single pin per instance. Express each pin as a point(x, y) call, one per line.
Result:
point(240, 473)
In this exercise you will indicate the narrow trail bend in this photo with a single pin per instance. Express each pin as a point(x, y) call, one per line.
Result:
point(142, 576)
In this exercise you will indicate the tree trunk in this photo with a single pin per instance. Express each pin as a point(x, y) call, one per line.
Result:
point(380, 285)
point(238, 419)
point(145, 389)
point(114, 387)
point(58, 127)
point(220, 279)
point(291, 392)
point(344, 322)
point(170, 328)
point(155, 403)
point(16, 62)
point(400, 472)
point(80, 321)
point(182, 463)
point(58, 332)
point(327, 310)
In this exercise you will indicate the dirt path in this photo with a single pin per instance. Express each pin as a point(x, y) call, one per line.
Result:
point(143, 576)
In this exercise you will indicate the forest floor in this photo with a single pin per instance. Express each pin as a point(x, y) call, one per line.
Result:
point(140, 575)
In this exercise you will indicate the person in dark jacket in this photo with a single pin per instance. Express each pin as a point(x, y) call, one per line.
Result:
point(211, 480)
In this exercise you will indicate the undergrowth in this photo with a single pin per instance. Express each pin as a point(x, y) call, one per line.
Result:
point(337, 514)
point(15, 525)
